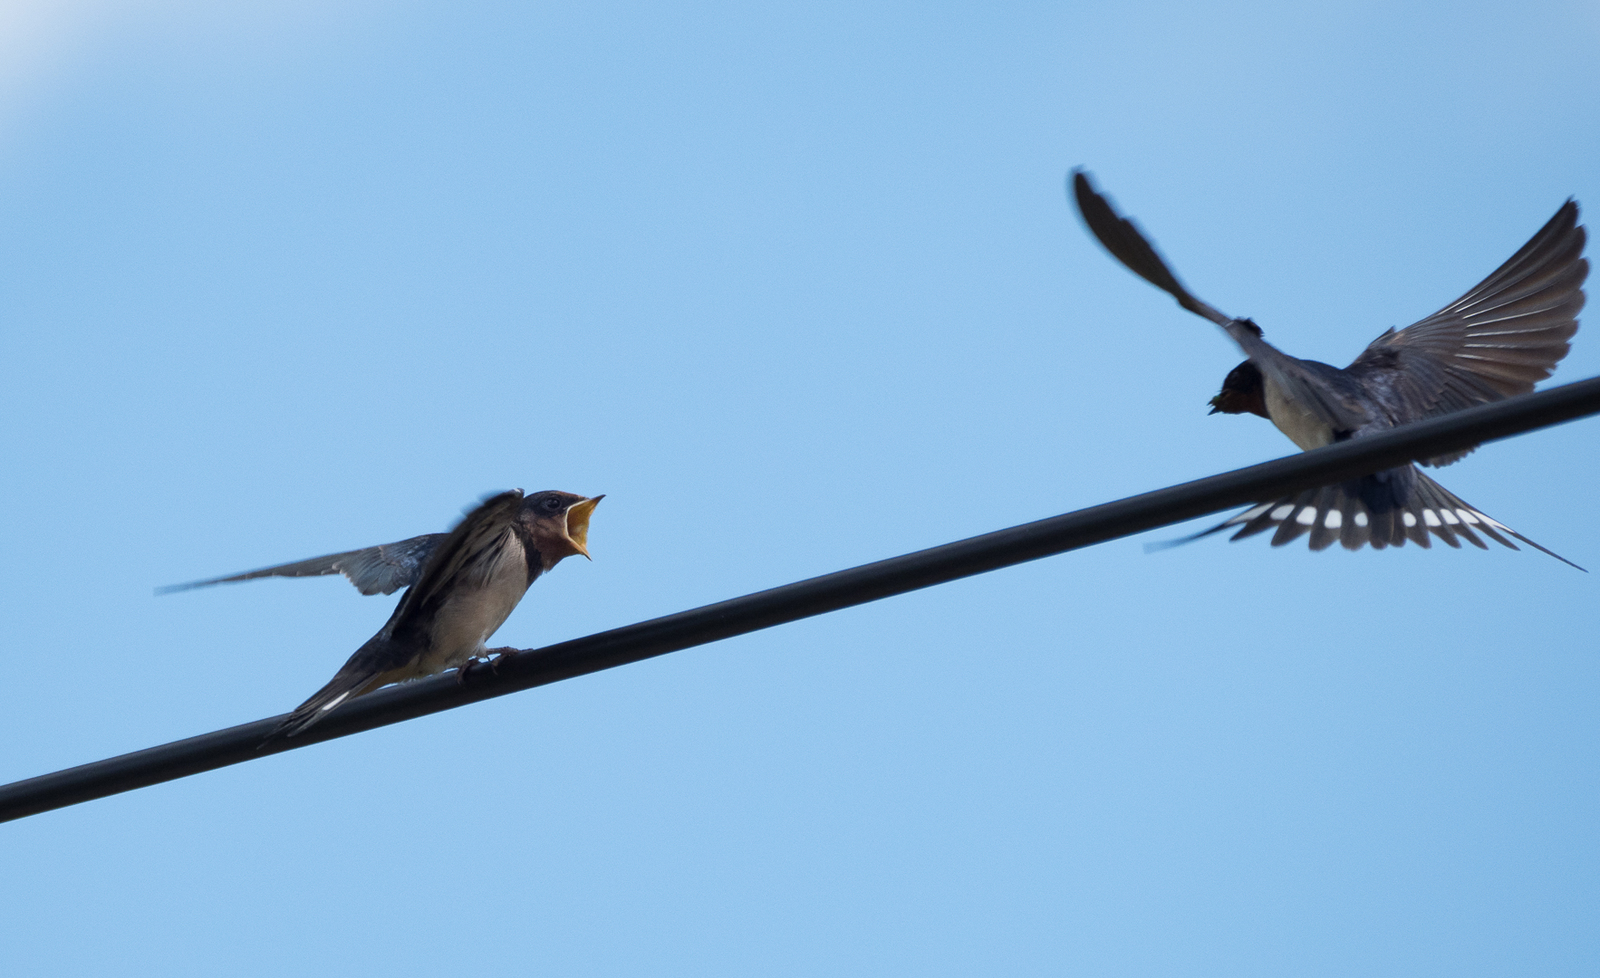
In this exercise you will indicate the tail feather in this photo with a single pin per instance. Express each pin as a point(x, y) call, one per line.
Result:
point(329, 697)
point(1357, 528)
point(1445, 504)
point(365, 671)
point(1382, 510)
point(1328, 525)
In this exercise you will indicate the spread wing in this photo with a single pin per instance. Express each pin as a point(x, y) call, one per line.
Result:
point(388, 655)
point(1497, 341)
point(1127, 244)
point(383, 569)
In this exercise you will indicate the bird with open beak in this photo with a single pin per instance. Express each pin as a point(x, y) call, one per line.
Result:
point(1505, 335)
point(468, 586)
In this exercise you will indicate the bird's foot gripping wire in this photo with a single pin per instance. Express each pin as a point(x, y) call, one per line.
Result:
point(499, 655)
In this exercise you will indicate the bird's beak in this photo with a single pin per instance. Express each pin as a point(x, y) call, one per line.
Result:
point(1216, 404)
point(578, 523)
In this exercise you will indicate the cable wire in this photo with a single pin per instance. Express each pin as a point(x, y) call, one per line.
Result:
point(816, 596)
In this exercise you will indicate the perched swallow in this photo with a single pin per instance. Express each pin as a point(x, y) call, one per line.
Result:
point(1497, 341)
point(467, 587)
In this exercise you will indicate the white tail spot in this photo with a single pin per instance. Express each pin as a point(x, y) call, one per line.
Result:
point(1409, 519)
point(1466, 516)
point(1449, 517)
point(335, 701)
point(1361, 519)
point(1333, 520)
point(1430, 517)
point(1307, 517)
point(1282, 512)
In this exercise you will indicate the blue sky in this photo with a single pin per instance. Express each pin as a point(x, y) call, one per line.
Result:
point(797, 288)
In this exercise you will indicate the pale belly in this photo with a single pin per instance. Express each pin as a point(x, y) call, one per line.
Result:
point(466, 622)
point(1302, 427)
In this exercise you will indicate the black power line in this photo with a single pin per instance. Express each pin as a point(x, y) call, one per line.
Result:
point(830, 592)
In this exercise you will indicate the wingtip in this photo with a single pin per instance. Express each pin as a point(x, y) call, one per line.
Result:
point(1569, 213)
point(1082, 191)
point(207, 582)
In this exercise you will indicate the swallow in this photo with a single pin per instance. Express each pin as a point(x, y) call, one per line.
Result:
point(1496, 341)
point(468, 585)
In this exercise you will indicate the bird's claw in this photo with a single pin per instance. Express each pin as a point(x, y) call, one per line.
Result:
point(500, 655)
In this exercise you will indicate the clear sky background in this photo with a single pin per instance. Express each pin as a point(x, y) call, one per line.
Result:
point(797, 287)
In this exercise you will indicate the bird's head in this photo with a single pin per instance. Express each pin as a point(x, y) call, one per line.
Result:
point(1242, 391)
point(558, 523)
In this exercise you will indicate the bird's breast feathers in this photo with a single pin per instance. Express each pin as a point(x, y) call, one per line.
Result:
point(1303, 428)
point(477, 608)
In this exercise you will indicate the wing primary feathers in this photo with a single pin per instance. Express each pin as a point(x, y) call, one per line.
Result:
point(1498, 340)
point(383, 569)
point(1556, 234)
point(1128, 245)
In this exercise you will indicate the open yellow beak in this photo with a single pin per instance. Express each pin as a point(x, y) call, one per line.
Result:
point(578, 523)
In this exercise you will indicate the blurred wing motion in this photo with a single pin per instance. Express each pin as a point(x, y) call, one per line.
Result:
point(1127, 244)
point(1299, 381)
point(383, 569)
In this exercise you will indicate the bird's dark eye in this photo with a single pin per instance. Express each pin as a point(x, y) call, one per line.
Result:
point(552, 504)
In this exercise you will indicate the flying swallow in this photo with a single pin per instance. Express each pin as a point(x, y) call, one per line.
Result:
point(468, 585)
point(1506, 334)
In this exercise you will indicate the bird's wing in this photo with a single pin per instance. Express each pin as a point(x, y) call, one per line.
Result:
point(1497, 341)
point(383, 569)
point(457, 554)
point(385, 656)
point(1127, 244)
